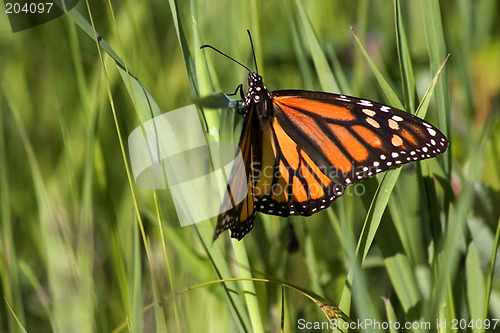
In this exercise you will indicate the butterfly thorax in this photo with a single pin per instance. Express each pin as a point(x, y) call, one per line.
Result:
point(258, 96)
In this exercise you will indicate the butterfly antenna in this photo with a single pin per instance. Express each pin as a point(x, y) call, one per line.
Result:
point(225, 55)
point(253, 52)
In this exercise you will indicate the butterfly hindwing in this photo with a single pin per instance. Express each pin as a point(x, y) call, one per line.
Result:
point(239, 216)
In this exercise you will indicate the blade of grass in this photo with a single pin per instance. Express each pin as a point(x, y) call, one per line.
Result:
point(254, 21)
point(359, 69)
point(404, 59)
point(19, 323)
point(325, 75)
point(85, 243)
point(369, 230)
point(298, 48)
point(40, 291)
point(365, 307)
point(399, 267)
point(181, 36)
point(386, 88)
point(339, 72)
point(436, 45)
point(79, 20)
point(424, 103)
point(136, 322)
point(282, 321)
point(9, 271)
point(489, 279)
point(202, 76)
point(391, 314)
point(249, 292)
point(476, 285)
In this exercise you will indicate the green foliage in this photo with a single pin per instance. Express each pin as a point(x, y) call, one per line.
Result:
point(82, 248)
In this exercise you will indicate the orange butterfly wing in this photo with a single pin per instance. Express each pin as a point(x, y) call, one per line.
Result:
point(301, 148)
point(239, 216)
point(323, 142)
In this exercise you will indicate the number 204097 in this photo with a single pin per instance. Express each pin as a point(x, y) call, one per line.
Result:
point(28, 8)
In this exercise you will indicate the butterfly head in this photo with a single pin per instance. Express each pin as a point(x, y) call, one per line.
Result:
point(258, 95)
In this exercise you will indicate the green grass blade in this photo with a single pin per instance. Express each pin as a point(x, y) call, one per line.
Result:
point(9, 271)
point(360, 74)
point(404, 59)
point(384, 85)
point(370, 228)
point(181, 36)
point(250, 294)
point(326, 78)
point(80, 20)
point(476, 285)
point(489, 279)
point(145, 105)
point(398, 266)
point(424, 103)
point(436, 46)
point(298, 47)
point(18, 321)
point(391, 314)
point(135, 320)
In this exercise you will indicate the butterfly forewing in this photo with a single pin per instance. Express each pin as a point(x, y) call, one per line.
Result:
point(357, 138)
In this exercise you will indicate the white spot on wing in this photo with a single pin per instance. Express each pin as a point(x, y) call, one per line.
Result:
point(392, 124)
point(365, 103)
point(343, 98)
point(372, 122)
point(369, 112)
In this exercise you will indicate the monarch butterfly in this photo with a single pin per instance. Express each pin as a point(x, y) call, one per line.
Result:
point(301, 148)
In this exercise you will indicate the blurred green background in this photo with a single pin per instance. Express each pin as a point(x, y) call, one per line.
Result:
point(83, 249)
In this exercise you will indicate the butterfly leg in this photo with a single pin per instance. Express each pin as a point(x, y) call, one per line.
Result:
point(240, 88)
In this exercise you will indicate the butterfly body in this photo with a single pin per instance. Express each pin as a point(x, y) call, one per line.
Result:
point(301, 148)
